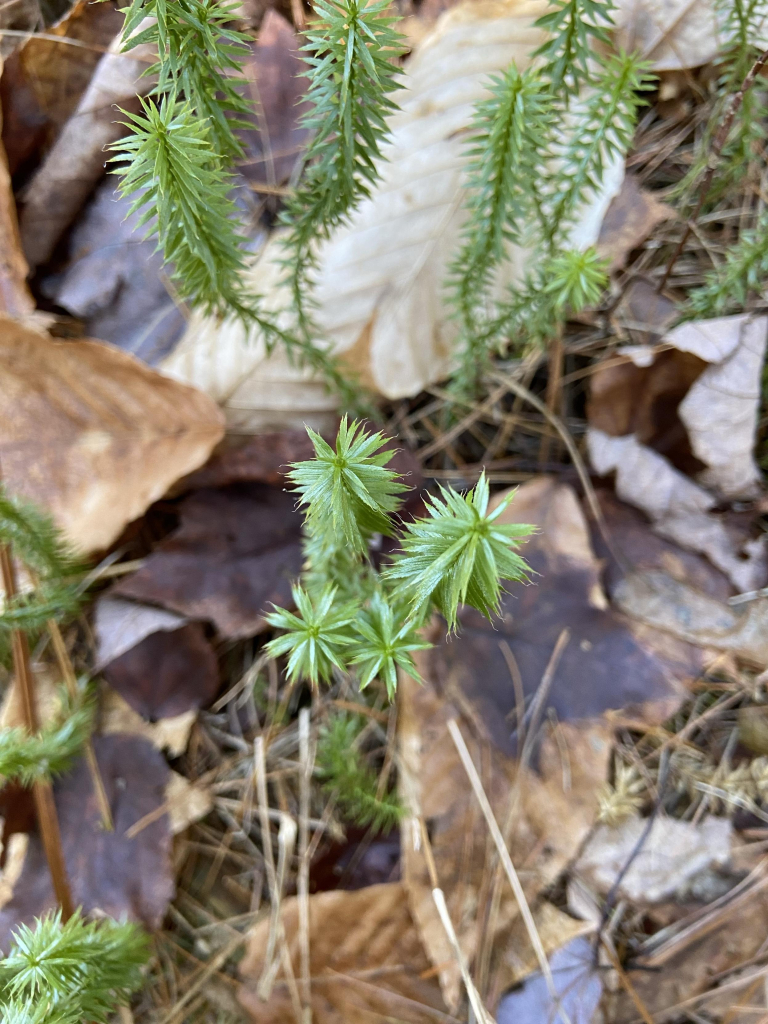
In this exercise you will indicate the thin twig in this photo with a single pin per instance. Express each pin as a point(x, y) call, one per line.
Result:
point(504, 857)
point(70, 681)
point(721, 137)
point(610, 899)
point(50, 833)
point(260, 770)
point(482, 1015)
point(576, 458)
point(306, 757)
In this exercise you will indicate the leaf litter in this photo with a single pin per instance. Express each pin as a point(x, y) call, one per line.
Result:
point(614, 715)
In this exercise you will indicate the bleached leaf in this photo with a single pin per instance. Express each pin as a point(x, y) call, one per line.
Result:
point(380, 284)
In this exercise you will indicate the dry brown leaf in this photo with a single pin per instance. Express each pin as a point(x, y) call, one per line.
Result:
point(688, 410)
point(43, 80)
point(629, 220)
point(672, 855)
point(733, 942)
point(92, 434)
point(160, 663)
point(277, 87)
point(547, 829)
point(608, 662)
point(120, 625)
point(381, 277)
point(113, 279)
point(235, 553)
point(77, 159)
point(365, 962)
point(675, 607)
point(121, 876)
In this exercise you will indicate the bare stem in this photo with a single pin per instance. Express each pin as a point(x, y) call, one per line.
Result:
point(717, 147)
point(70, 681)
point(42, 790)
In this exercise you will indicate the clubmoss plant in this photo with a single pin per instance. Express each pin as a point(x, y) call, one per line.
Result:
point(364, 617)
point(524, 184)
point(65, 970)
point(69, 972)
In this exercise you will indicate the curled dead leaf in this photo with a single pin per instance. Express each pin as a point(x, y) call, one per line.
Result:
point(380, 278)
point(92, 434)
point(366, 962)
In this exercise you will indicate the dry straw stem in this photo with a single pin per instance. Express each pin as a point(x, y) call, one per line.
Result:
point(506, 860)
point(517, 388)
point(70, 681)
point(482, 1016)
point(42, 790)
point(306, 760)
point(286, 839)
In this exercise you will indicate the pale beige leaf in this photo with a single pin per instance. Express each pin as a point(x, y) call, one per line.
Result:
point(675, 607)
point(672, 855)
point(170, 734)
point(678, 507)
point(186, 802)
point(92, 434)
point(381, 277)
point(727, 395)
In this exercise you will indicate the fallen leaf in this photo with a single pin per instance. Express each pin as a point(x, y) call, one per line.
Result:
point(120, 625)
point(113, 280)
point(379, 284)
point(727, 394)
point(678, 508)
point(555, 929)
point(169, 734)
point(263, 459)
point(167, 673)
point(729, 941)
point(608, 662)
point(235, 553)
point(646, 313)
point(257, 394)
point(43, 80)
point(672, 34)
point(15, 297)
point(566, 592)
point(186, 802)
point(673, 606)
point(92, 434)
point(277, 87)
point(689, 411)
point(641, 396)
point(366, 962)
point(76, 160)
point(578, 989)
point(356, 860)
point(670, 857)
point(629, 220)
point(637, 546)
point(121, 877)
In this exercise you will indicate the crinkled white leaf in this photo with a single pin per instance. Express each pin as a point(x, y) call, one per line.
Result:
point(380, 285)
